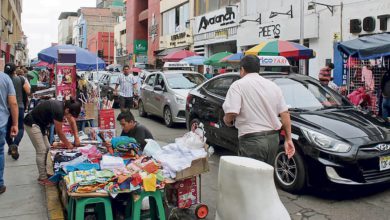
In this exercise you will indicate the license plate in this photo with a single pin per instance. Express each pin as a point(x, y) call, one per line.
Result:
point(384, 163)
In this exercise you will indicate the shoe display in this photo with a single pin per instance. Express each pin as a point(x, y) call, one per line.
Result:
point(2, 189)
point(14, 152)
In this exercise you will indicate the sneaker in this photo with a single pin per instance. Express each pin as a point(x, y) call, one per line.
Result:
point(2, 189)
point(14, 152)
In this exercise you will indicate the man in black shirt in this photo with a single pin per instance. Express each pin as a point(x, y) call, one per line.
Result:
point(133, 129)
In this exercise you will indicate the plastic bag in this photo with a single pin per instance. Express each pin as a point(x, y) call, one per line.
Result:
point(191, 140)
point(152, 148)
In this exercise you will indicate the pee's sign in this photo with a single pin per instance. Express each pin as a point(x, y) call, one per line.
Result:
point(216, 20)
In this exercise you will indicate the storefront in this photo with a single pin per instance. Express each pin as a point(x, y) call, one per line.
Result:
point(216, 31)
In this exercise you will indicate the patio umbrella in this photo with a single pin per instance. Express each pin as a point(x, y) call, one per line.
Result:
point(234, 58)
point(215, 60)
point(44, 64)
point(178, 55)
point(85, 60)
point(135, 70)
point(281, 48)
point(194, 60)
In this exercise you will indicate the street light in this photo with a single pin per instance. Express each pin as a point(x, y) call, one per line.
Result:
point(258, 20)
point(274, 14)
point(312, 5)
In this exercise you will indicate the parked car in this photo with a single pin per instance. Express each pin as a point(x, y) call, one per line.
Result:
point(164, 94)
point(336, 143)
point(107, 83)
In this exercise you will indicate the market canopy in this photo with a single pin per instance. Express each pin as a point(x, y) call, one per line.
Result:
point(215, 60)
point(85, 60)
point(194, 60)
point(367, 47)
point(281, 48)
point(178, 55)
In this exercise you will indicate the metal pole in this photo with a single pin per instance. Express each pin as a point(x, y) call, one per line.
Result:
point(302, 68)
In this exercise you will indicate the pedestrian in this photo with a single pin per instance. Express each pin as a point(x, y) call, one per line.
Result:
point(208, 75)
point(45, 114)
point(21, 87)
point(138, 79)
point(215, 72)
point(385, 88)
point(128, 88)
point(253, 105)
point(132, 128)
point(8, 104)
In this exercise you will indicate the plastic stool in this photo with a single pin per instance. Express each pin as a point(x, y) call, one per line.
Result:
point(77, 206)
point(157, 211)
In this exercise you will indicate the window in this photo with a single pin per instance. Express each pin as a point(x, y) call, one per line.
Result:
point(220, 86)
point(206, 6)
point(184, 80)
point(175, 19)
point(150, 80)
point(160, 81)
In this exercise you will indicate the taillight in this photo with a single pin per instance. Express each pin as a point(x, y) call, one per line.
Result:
point(189, 98)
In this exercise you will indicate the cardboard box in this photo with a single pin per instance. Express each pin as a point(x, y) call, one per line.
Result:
point(89, 109)
point(107, 119)
point(197, 167)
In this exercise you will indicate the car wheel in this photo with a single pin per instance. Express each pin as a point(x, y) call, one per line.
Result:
point(290, 174)
point(168, 117)
point(141, 109)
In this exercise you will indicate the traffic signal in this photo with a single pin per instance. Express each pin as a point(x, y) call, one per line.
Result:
point(100, 53)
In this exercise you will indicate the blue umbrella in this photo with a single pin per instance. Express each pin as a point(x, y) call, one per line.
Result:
point(194, 60)
point(85, 60)
point(234, 58)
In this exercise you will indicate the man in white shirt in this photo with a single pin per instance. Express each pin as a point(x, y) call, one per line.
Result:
point(253, 105)
point(128, 88)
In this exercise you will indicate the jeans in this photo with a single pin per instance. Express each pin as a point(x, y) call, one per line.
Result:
point(19, 136)
point(3, 130)
point(385, 107)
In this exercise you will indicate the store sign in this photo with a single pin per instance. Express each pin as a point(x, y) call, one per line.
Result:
point(369, 24)
point(270, 30)
point(222, 18)
point(273, 61)
point(176, 40)
point(140, 46)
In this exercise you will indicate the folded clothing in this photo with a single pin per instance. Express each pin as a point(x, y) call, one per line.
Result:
point(111, 162)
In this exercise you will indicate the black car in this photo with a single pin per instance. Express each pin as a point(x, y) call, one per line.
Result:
point(335, 142)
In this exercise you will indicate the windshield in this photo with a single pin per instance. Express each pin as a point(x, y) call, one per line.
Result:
point(184, 80)
point(307, 95)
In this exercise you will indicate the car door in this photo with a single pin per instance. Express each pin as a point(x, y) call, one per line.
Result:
point(158, 99)
point(146, 92)
point(215, 92)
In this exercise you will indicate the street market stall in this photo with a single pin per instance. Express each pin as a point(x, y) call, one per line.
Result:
point(365, 61)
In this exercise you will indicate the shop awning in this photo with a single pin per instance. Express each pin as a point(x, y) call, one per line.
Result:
point(165, 52)
point(367, 47)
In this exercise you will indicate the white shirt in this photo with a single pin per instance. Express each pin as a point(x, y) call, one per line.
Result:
point(127, 85)
point(258, 103)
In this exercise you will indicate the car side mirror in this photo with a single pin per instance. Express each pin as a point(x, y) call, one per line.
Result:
point(158, 88)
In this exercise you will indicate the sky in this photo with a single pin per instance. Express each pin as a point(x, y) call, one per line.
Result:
point(40, 21)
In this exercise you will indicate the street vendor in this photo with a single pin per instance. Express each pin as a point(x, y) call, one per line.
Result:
point(132, 128)
point(40, 118)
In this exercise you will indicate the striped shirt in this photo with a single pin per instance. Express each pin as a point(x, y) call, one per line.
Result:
point(127, 85)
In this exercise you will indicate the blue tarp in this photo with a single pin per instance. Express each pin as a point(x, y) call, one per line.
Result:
point(367, 47)
point(85, 60)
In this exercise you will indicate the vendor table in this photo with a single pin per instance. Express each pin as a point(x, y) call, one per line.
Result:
point(81, 124)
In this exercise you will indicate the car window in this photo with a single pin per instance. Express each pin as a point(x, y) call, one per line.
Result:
point(184, 80)
point(306, 94)
point(160, 81)
point(150, 80)
point(220, 86)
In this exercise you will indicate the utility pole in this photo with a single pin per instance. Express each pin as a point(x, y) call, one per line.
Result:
point(302, 66)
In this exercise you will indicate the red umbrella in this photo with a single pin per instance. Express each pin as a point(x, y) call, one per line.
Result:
point(178, 55)
point(44, 64)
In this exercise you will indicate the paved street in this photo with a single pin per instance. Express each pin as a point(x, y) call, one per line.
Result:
point(354, 203)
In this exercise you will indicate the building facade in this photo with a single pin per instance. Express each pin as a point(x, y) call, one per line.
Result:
point(323, 26)
point(13, 43)
point(103, 42)
point(121, 53)
point(143, 30)
point(109, 3)
point(215, 25)
point(65, 27)
point(92, 21)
